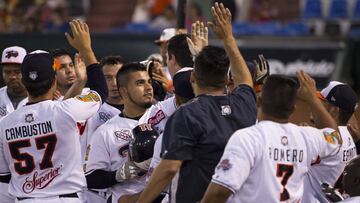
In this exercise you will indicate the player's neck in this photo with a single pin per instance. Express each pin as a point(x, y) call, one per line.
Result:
point(131, 111)
point(208, 91)
point(46, 96)
point(114, 101)
point(264, 117)
point(62, 89)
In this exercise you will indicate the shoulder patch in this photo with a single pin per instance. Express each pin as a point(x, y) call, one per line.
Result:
point(332, 137)
point(89, 97)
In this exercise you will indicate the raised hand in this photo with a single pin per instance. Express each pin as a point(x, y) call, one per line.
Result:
point(163, 79)
point(262, 69)
point(307, 90)
point(221, 24)
point(80, 40)
point(80, 68)
point(199, 38)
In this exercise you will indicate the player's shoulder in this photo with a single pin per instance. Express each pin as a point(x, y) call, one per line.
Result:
point(3, 89)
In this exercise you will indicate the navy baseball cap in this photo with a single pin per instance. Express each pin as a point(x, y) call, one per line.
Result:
point(182, 84)
point(251, 67)
point(340, 95)
point(38, 66)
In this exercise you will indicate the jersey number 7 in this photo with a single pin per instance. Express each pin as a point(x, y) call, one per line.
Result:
point(284, 171)
point(25, 161)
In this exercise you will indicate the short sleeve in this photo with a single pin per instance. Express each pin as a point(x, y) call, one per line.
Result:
point(180, 136)
point(98, 156)
point(245, 92)
point(81, 107)
point(330, 142)
point(326, 141)
point(238, 159)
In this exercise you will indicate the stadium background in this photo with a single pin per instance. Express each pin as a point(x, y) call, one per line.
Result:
point(320, 36)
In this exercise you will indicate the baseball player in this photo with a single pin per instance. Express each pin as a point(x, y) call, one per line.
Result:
point(13, 95)
point(39, 147)
point(158, 114)
point(340, 101)
point(108, 164)
point(268, 161)
point(196, 134)
point(110, 108)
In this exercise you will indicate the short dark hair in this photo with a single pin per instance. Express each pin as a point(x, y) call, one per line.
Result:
point(178, 46)
point(122, 75)
point(59, 52)
point(278, 96)
point(211, 67)
point(112, 60)
point(37, 89)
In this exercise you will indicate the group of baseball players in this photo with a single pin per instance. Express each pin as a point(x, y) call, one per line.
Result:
point(217, 129)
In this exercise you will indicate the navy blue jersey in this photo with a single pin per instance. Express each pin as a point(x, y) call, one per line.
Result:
point(197, 134)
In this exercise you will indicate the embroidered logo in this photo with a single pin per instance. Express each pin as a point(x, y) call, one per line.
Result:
point(29, 118)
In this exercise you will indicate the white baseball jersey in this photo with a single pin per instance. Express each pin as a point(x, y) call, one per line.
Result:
point(7, 107)
point(40, 148)
point(329, 169)
point(268, 161)
point(109, 150)
point(105, 113)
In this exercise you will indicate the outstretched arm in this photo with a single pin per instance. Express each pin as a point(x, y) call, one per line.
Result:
point(307, 92)
point(81, 41)
point(223, 30)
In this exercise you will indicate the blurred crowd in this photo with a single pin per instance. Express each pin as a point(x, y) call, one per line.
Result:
point(33, 16)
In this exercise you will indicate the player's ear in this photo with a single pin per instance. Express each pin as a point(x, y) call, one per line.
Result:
point(123, 92)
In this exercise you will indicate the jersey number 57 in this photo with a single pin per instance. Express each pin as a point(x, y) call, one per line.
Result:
point(24, 161)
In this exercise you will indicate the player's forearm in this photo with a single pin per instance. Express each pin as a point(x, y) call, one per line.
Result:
point(88, 56)
point(160, 178)
point(321, 116)
point(239, 69)
point(216, 194)
point(100, 179)
point(75, 89)
point(97, 81)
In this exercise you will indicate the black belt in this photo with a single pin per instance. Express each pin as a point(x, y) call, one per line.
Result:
point(72, 195)
point(100, 193)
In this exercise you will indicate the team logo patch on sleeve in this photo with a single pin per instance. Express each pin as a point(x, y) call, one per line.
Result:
point(332, 137)
point(224, 165)
point(91, 96)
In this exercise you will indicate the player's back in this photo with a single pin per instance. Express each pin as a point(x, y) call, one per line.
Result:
point(41, 146)
point(267, 162)
point(329, 169)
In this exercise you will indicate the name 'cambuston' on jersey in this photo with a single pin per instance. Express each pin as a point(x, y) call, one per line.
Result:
point(40, 148)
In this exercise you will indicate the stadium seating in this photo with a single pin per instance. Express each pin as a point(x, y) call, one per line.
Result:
point(312, 9)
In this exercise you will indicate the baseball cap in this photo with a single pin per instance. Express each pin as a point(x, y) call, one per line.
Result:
point(340, 95)
point(166, 34)
point(13, 55)
point(38, 66)
point(182, 84)
point(251, 67)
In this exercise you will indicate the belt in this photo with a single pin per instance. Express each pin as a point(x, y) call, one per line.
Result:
point(72, 195)
point(100, 193)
